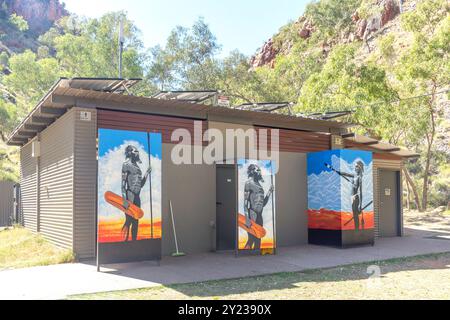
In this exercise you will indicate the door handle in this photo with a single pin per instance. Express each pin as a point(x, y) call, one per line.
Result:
point(218, 203)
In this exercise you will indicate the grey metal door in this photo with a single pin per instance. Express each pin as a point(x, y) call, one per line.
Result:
point(389, 213)
point(226, 207)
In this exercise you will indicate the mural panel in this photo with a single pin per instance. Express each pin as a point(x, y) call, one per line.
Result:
point(340, 198)
point(129, 196)
point(256, 203)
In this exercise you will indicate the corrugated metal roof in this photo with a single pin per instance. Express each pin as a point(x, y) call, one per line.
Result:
point(265, 106)
point(114, 85)
point(102, 93)
point(186, 96)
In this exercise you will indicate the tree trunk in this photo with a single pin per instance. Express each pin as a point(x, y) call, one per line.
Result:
point(408, 196)
point(414, 189)
point(2, 136)
point(430, 141)
point(426, 179)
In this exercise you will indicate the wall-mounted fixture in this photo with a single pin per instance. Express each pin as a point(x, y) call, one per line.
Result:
point(35, 149)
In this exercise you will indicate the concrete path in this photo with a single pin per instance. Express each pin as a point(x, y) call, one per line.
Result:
point(59, 281)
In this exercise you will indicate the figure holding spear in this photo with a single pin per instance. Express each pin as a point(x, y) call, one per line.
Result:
point(357, 194)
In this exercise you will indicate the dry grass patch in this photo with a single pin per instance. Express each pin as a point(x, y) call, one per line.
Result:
point(19, 248)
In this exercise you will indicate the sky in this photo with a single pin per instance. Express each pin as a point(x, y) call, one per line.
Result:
point(237, 24)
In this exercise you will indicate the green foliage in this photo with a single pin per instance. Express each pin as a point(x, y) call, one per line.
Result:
point(188, 60)
point(74, 47)
point(19, 22)
point(386, 46)
point(344, 84)
point(331, 16)
point(369, 8)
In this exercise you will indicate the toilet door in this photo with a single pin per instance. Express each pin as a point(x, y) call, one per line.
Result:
point(226, 205)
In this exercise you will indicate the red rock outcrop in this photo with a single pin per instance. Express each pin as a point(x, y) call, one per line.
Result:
point(306, 30)
point(265, 56)
point(40, 14)
point(364, 27)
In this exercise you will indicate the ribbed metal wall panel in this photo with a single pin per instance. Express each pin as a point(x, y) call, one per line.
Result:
point(28, 179)
point(85, 185)
point(6, 203)
point(383, 164)
point(56, 182)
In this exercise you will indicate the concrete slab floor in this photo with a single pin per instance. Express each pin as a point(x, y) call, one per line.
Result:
point(59, 281)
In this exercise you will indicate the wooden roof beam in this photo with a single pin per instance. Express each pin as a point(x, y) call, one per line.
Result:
point(34, 127)
point(52, 111)
point(42, 120)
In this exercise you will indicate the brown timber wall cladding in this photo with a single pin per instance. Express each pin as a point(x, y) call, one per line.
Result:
point(149, 123)
point(298, 141)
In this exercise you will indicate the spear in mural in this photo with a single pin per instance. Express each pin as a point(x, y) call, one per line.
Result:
point(338, 172)
point(150, 183)
point(361, 212)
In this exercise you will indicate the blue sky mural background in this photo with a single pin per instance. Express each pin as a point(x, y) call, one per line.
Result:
point(327, 189)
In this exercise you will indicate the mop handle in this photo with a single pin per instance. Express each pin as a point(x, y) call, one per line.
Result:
point(173, 225)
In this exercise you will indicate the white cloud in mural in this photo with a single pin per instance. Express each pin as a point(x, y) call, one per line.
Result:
point(333, 192)
point(326, 188)
point(110, 179)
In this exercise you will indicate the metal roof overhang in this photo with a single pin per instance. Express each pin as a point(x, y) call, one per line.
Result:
point(379, 146)
point(63, 96)
point(47, 111)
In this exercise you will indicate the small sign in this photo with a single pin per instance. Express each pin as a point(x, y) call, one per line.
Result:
point(85, 116)
point(229, 180)
point(337, 142)
point(223, 101)
point(387, 192)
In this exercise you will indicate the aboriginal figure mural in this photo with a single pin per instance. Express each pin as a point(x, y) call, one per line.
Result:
point(129, 195)
point(256, 205)
point(340, 197)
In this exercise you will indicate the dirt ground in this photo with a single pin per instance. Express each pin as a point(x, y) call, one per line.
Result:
point(433, 220)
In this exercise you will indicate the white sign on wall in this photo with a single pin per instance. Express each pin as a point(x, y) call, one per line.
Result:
point(85, 116)
point(223, 101)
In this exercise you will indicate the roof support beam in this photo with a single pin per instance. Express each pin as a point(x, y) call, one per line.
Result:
point(26, 134)
point(53, 111)
point(19, 140)
point(371, 143)
point(15, 144)
point(34, 127)
point(348, 135)
point(391, 150)
point(43, 120)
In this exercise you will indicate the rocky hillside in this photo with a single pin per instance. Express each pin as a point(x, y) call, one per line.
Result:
point(39, 15)
point(369, 19)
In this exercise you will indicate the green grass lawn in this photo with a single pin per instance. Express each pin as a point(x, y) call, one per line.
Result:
point(19, 248)
point(424, 277)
